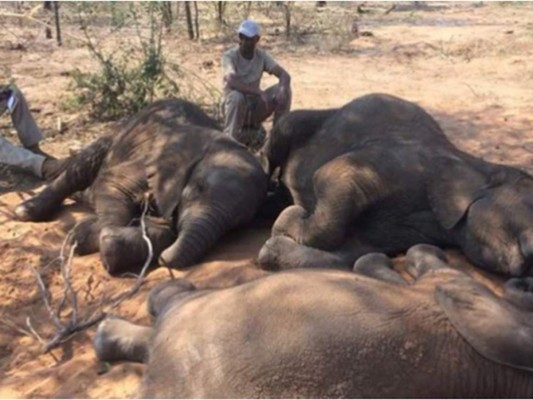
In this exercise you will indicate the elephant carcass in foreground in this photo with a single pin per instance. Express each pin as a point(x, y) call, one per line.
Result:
point(379, 174)
point(334, 334)
point(172, 160)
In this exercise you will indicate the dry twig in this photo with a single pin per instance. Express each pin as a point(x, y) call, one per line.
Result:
point(74, 325)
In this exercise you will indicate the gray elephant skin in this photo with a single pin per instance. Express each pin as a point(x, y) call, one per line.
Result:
point(335, 334)
point(380, 175)
point(171, 160)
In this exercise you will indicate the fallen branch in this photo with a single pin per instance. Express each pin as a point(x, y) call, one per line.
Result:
point(66, 330)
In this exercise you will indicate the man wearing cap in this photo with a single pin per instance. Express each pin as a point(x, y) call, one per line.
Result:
point(246, 105)
point(30, 157)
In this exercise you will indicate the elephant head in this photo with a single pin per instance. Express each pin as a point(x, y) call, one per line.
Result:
point(223, 191)
point(491, 208)
point(291, 131)
point(499, 330)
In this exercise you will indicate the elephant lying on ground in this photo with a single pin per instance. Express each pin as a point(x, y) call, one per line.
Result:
point(324, 333)
point(380, 175)
point(200, 183)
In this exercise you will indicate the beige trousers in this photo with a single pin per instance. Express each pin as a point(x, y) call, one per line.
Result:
point(242, 110)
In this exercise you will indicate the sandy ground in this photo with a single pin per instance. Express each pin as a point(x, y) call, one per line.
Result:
point(469, 65)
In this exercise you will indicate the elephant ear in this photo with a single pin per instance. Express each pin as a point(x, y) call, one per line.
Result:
point(167, 176)
point(452, 189)
point(493, 327)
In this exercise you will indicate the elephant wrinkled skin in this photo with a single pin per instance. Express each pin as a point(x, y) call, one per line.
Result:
point(172, 160)
point(325, 333)
point(380, 175)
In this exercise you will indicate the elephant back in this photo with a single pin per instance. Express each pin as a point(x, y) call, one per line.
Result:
point(155, 126)
point(381, 118)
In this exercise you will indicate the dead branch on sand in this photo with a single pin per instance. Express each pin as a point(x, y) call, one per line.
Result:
point(75, 324)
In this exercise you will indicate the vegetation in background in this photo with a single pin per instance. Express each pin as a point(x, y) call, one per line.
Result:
point(129, 79)
point(133, 67)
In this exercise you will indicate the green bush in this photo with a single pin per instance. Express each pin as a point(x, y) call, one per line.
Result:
point(129, 79)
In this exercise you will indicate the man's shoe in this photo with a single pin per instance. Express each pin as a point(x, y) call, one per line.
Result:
point(35, 149)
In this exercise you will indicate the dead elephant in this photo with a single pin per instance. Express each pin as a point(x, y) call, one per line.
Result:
point(326, 333)
point(172, 160)
point(380, 175)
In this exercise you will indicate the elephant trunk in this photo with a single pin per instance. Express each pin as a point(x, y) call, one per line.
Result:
point(196, 235)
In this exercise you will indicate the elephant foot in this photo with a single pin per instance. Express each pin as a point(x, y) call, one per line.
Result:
point(86, 235)
point(378, 266)
point(281, 253)
point(423, 258)
point(123, 249)
point(120, 340)
point(161, 295)
point(36, 209)
point(291, 223)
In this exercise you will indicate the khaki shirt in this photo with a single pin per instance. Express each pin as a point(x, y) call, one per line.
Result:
point(247, 71)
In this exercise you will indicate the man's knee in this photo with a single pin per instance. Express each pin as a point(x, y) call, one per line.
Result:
point(235, 99)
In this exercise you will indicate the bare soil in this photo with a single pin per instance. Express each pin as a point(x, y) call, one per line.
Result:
point(468, 64)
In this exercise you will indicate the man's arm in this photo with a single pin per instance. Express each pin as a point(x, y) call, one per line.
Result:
point(284, 78)
point(230, 79)
point(284, 83)
point(232, 82)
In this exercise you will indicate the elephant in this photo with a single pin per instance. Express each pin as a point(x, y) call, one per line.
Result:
point(380, 175)
point(317, 333)
point(171, 165)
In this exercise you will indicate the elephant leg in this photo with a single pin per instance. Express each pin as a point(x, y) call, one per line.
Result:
point(378, 266)
point(124, 249)
point(423, 258)
point(118, 198)
point(80, 173)
point(166, 293)
point(282, 252)
point(120, 340)
point(343, 188)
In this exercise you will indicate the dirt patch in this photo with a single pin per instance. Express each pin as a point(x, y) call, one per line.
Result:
point(467, 64)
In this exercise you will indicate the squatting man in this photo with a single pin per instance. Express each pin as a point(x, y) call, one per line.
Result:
point(246, 106)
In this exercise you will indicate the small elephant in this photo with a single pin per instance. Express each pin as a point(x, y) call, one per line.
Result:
point(380, 175)
point(172, 161)
point(335, 334)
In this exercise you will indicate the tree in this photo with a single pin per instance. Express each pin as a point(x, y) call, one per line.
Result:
point(58, 26)
point(287, 14)
point(196, 24)
point(166, 12)
point(220, 8)
point(53, 6)
point(188, 15)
